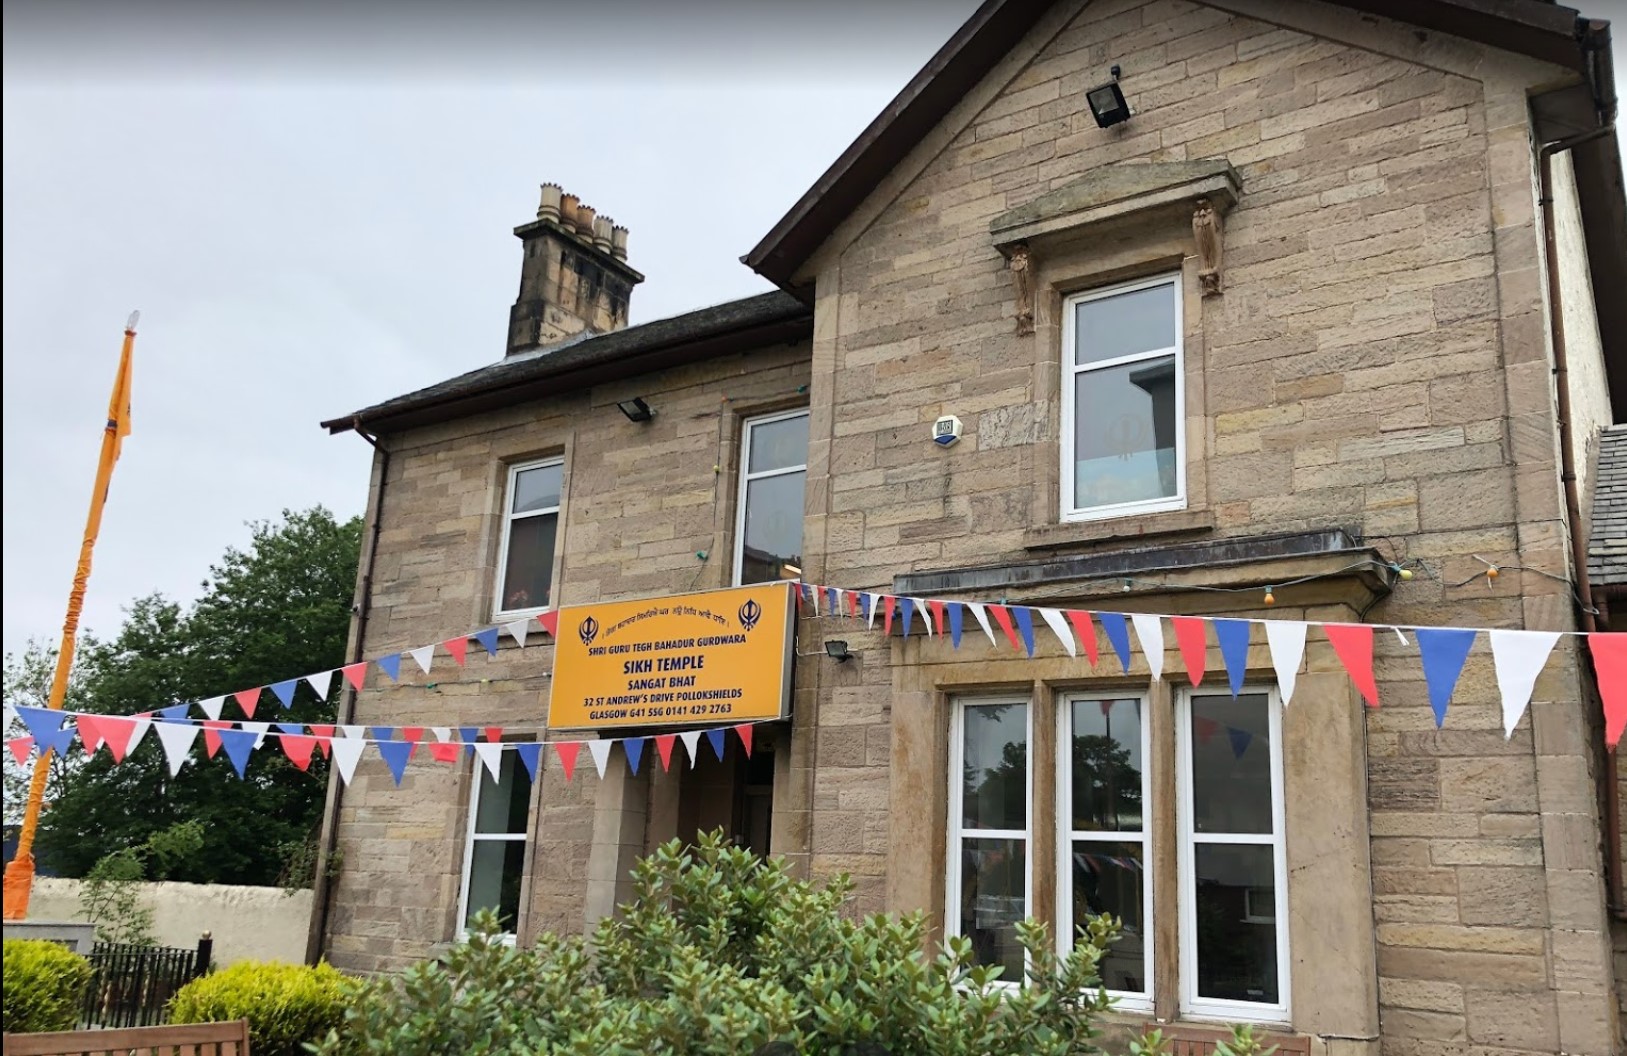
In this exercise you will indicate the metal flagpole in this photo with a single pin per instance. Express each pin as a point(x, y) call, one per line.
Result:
point(19, 879)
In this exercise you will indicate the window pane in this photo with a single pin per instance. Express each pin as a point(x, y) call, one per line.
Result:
point(773, 527)
point(992, 885)
point(529, 575)
point(1107, 878)
point(1231, 764)
point(537, 489)
point(994, 767)
point(1124, 433)
point(779, 445)
point(503, 806)
point(1237, 930)
point(495, 871)
point(1107, 765)
point(1124, 324)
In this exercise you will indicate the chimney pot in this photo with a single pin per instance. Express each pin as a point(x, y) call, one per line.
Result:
point(569, 206)
point(601, 233)
point(586, 215)
point(618, 242)
point(549, 207)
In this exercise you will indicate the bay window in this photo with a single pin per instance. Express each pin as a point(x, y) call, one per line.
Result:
point(525, 562)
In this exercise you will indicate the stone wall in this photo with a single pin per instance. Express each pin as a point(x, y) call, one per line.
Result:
point(247, 923)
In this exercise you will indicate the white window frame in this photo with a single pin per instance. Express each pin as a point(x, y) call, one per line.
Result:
point(1209, 1007)
point(1070, 372)
point(1066, 836)
point(746, 477)
point(509, 517)
point(471, 837)
point(957, 830)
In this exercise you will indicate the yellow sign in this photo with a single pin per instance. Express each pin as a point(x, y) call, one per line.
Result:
point(690, 659)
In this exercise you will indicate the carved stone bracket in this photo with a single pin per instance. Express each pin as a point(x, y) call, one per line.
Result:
point(1208, 234)
point(1021, 262)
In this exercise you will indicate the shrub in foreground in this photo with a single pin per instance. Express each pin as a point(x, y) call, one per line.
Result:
point(286, 1005)
point(45, 986)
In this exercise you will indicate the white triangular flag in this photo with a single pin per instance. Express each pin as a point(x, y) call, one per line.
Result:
point(926, 614)
point(177, 738)
point(981, 614)
point(875, 607)
point(212, 706)
point(492, 755)
point(692, 742)
point(517, 629)
point(1287, 641)
point(441, 733)
point(259, 729)
point(136, 734)
point(358, 732)
point(1059, 627)
point(601, 754)
point(1518, 657)
point(1400, 635)
point(320, 683)
point(346, 751)
point(423, 656)
point(1150, 632)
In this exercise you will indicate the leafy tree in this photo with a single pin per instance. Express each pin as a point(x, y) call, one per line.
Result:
point(28, 684)
point(278, 609)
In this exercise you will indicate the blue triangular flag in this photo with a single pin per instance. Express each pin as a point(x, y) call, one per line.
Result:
point(175, 711)
point(381, 733)
point(832, 600)
point(715, 738)
point(58, 741)
point(1443, 651)
point(285, 691)
point(294, 728)
point(865, 601)
point(239, 745)
point(41, 722)
point(487, 638)
point(1233, 638)
point(529, 752)
point(808, 595)
point(1025, 626)
point(1240, 740)
point(1117, 629)
point(907, 607)
point(469, 735)
point(391, 665)
point(634, 747)
point(956, 614)
point(395, 757)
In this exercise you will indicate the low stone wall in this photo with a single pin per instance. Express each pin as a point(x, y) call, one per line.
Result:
point(258, 923)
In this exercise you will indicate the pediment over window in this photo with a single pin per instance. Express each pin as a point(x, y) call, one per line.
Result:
point(1118, 192)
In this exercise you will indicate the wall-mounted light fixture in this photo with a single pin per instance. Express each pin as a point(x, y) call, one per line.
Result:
point(836, 649)
point(636, 409)
point(1107, 103)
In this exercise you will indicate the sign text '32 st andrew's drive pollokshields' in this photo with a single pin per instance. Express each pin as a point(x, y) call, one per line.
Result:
point(690, 659)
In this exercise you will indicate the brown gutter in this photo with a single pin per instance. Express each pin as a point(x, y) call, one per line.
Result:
point(1573, 499)
point(322, 890)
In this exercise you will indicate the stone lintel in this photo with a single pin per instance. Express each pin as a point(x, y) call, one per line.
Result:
point(1117, 193)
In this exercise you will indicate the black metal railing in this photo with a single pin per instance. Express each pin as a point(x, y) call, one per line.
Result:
point(132, 985)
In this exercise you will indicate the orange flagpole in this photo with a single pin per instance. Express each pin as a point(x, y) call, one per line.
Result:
point(19, 879)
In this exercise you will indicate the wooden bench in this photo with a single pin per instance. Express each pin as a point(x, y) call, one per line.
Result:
point(193, 1039)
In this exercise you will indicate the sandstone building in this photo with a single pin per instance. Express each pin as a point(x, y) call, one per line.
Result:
point(1341, 299)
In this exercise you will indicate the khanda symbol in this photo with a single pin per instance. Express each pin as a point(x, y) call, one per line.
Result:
point(588, 630)
point(750, 613)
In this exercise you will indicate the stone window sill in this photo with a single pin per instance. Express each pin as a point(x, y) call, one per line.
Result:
point(1121, 529)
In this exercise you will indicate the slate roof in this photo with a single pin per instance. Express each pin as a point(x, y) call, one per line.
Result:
point(1607, 544)
point(575, 363)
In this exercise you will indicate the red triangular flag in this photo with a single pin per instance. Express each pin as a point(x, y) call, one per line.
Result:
point(936, 608)
point(90, 732)
point(1206, 728)
point(1085, 630)
point(744, 730)
point(1002, 616)
point(550, 622)
point(446, 752)
point(211, 739)
point(355, 674)
point(412, 733)
point(567, 755)
point(1610, 664)
point(1194, 650)
point(663, 747)
point(458, 647)
point(19, 748)
point(324, 736)
point(494, 734)
point(117, 732)
point(888, 602)
point(1353, 642)
point(298, 748)
point(248, 700)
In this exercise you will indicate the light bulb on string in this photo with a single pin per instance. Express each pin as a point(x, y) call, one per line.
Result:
point(1270, 596)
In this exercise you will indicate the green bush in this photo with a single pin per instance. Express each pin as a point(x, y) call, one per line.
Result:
point(45, 986)
point(286, 1004)
point(720, 953)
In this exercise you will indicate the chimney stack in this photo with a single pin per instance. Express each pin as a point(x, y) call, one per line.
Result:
point(574, 275)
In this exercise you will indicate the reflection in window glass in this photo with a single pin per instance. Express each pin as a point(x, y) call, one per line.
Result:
point(530, 535)
point(1124, 324)
point(1237, 927)
point(990, 840)
point(773, 476)
point(495, 855)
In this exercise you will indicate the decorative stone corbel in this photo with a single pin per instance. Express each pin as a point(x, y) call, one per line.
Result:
point(1021, 264)
point(1209, 234)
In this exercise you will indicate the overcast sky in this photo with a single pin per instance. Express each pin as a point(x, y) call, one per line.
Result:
point(311, 204)
point(314, 213)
